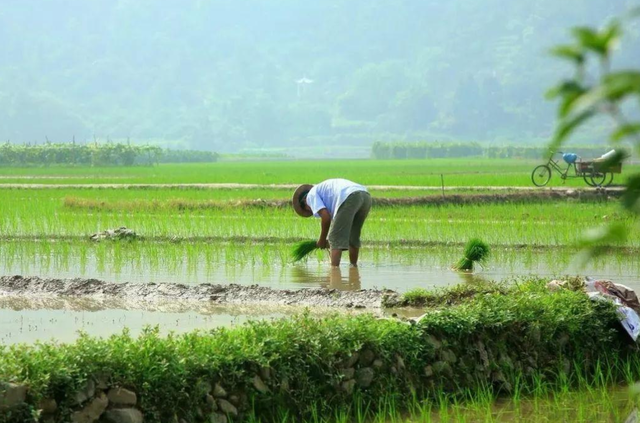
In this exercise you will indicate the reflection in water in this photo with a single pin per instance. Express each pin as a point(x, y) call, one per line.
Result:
point(472, 278)
point(332, 278)
point(350, 283)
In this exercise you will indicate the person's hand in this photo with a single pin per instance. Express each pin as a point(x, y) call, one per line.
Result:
point(323, 244)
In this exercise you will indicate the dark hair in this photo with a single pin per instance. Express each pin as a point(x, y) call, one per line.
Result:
point(302, 199)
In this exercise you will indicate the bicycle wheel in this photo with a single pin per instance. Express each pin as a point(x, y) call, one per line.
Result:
point(541, 175)
point(587, 179)
point(598, 179)
point(610, 181)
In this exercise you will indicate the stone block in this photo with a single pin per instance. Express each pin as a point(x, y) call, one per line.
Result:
point(121, 397)
point(92, 411)
point(12, 395)
point(123, 415)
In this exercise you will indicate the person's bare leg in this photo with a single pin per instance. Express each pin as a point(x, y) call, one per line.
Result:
point(354, 252)
point(336, 255)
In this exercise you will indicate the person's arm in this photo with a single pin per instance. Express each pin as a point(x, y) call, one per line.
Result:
point(325, 224)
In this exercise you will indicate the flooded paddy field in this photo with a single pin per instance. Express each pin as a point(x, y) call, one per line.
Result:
point(218, 256)
point(393, 267)
point(398, 268)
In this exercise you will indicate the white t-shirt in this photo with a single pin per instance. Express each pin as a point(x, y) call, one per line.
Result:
point(330, 195)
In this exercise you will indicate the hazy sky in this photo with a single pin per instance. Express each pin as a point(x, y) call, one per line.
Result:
point(225, 75)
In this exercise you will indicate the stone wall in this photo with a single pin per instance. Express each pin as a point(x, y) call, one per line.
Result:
point(270, 368)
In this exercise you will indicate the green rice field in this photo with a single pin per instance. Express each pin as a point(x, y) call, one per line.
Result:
point(195, 232)
point(212, 234)
point(154, 215)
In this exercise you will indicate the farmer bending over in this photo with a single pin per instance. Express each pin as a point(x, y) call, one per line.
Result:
point(342, 206)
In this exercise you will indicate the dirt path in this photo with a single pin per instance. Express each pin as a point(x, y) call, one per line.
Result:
point(434, 200)
point(135, 296)
point(221, 186)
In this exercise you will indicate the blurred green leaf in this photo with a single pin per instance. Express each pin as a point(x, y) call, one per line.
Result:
point(631, 196)
point(611, 34)
point(626, 131)
point(562, 89)
point(569, 91)
point(567, 126)
point(618, 85)
point(618, 157)
point(600, 42)
point(588, 39)
point(569, 52)
point(606, 235)
point(578, 104)
point(596, 241)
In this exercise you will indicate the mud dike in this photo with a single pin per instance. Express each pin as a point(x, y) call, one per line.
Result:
point(148, 296)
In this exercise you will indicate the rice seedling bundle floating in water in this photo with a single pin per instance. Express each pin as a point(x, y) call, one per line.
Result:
point(476, 251)
point(303, 249)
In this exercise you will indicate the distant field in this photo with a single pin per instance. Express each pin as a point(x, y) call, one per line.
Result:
point(456, 172)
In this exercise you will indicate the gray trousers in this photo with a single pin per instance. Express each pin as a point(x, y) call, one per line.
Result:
point(347, 224)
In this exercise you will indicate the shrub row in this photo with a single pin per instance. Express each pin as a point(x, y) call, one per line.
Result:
point(95, 154)
point(424, 150)
point(502, 340)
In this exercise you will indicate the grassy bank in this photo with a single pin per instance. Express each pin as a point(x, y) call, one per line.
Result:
point(519, 342)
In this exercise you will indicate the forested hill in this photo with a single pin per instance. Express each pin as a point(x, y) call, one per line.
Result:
point(224, 74)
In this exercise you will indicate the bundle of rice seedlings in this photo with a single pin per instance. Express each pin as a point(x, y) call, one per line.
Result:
point(303, 249)
point(476, 251)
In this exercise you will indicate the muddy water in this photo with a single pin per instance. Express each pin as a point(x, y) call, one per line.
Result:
point(30, 325)
point(399, 269)
point(34, 317)
point(26, 320)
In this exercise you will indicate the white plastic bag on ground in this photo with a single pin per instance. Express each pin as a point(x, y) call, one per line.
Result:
point(628, 317)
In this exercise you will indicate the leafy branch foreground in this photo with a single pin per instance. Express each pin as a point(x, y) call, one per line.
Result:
point(519, 341)
point(611, 93)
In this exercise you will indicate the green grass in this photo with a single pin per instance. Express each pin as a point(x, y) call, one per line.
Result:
point(602, 404)
point(473, 172)
point(42, 213)
point(421, 297)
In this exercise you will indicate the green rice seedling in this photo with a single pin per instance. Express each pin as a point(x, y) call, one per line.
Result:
point(303, 249)
point(476, 251)
point(152, 213)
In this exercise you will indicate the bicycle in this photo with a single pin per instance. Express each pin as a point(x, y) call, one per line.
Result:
point(595, 173)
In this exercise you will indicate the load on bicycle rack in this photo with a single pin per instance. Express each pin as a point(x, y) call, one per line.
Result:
point(596, 173)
